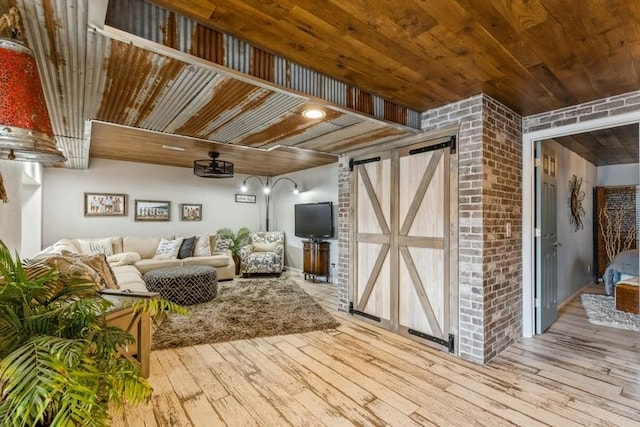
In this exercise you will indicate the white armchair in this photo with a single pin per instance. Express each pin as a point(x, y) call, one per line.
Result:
point(264, 253)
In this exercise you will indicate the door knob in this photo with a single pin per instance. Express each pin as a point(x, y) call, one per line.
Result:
point(556, 244)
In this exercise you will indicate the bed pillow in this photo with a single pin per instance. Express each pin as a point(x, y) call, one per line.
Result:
point(168, 249)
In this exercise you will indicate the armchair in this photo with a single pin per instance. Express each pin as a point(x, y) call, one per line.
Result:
point(264, 253)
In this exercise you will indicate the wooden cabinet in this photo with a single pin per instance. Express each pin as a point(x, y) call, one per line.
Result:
point(315, 260)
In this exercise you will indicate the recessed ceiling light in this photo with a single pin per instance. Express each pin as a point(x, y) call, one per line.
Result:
point(313, 113)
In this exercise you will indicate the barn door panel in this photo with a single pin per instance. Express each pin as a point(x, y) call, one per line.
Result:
point(372, 230)
point(423, 245)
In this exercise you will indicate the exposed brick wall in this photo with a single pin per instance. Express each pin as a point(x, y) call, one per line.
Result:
point(605, 107)
point(344, 218)
point(502, 205)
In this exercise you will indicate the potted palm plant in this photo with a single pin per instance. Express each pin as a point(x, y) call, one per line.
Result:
point(59, 360)
point(238, 240)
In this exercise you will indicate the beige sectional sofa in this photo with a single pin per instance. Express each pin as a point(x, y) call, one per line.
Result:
point(129, 268)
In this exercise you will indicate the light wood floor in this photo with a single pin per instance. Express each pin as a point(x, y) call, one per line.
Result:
point(576, 374)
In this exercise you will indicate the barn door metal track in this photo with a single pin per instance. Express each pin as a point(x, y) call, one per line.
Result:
point(451, 143)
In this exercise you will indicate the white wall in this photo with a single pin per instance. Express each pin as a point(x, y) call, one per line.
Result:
point(575, 256)
point(32, 177)
point(21, 217)
point(64, 189)
point(318, 185)
point(628, 174)
point(11, 212)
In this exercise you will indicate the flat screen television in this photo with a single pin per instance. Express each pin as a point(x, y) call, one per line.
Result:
point(314, 220)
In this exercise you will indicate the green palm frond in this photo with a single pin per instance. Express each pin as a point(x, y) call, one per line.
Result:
point(155, 306)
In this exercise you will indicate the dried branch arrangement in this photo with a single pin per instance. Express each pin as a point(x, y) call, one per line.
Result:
point(616, 238)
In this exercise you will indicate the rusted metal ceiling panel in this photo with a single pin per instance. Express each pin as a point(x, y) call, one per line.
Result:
point(365, 132)
point(98, 48)
point(56, 31)
point(275, 108)
point(322, 128)
point(219, 106)
point(76, 150)
point(135, 79)
point(161, 26)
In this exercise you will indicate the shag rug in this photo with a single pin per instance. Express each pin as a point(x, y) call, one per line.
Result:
point(601, 310)
point(245, 308)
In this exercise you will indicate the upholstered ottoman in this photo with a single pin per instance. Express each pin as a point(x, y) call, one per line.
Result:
point(193, 284)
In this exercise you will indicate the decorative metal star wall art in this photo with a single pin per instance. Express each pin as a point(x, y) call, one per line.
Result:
point(575, 203)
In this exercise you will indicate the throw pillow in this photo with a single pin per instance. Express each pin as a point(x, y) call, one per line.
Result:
point(123, 258)
point(186, 249)
point(64, 245)
point(92, 268)
point(213, 243)
point(71, 266)
point(264, 247)
point(203, 247)
point(103, 246)
point(223, 244)
point(168, 249)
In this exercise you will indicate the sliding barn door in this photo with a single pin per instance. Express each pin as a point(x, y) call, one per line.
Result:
point(402, 242)
point(373, 215)
point(422, 241)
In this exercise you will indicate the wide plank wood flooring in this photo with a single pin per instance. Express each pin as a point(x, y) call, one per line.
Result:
point(576, 374)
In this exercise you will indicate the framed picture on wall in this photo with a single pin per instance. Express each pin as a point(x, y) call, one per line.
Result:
point(152, 210)
point(105, 204)
point(190, 212)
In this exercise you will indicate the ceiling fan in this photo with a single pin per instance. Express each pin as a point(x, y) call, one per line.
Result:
point(212, 167)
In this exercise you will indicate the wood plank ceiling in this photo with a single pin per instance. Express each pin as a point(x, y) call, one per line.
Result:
point(614, 146)
point(533, 56)
point(185, 68)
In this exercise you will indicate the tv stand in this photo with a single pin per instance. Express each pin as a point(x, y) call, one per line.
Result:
point(315, 255)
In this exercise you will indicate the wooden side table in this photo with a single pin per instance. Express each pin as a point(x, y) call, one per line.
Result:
point(628, 295)
point(137, 324)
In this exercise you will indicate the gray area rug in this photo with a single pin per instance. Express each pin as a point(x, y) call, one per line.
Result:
point(601, 310)
point(245, 309)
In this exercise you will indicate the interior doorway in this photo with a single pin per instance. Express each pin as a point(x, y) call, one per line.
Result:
point(529, 250)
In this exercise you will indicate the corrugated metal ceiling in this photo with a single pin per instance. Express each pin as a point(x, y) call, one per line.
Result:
point(90, 75)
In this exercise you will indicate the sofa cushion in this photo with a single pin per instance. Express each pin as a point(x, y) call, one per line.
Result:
point(221, 260)
point(187, 247)
point(203, 245)
point(123, 258)
point(168, 249)
point(144, 246)
point(129, 278)
point(93, 246)
point(145, 265)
